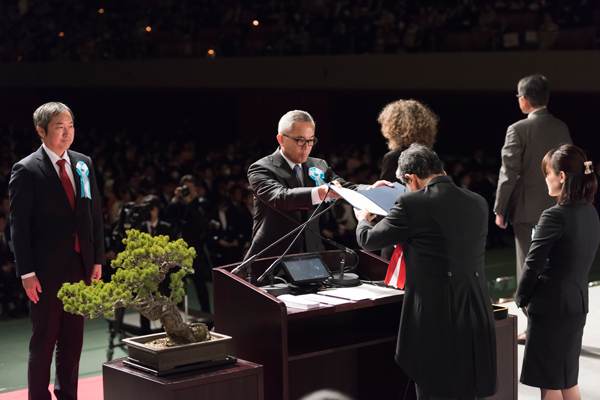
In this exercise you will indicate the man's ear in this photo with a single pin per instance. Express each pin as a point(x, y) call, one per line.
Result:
point(41, 132)
point(279, 139)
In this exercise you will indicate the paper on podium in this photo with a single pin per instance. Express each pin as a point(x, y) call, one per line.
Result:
point(378, 201)
point(298, 302)
point(362, 292)
point(325, 299)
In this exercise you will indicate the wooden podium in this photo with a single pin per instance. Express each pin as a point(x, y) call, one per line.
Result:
point(349, 347)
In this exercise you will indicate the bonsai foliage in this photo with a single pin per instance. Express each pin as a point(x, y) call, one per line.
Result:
point(140, 268)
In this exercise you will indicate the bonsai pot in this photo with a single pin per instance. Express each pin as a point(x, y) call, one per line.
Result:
point(162, 359)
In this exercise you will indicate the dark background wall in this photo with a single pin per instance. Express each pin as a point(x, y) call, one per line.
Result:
point(216, 101)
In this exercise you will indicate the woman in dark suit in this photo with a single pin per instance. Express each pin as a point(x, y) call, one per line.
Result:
point(403, 123)
point(554, 286)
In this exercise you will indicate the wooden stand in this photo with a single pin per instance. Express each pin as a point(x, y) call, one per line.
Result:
point(349, 347)
point(241, 381)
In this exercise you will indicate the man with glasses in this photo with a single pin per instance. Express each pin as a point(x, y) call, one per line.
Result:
point(522, 194)
point(281, 182)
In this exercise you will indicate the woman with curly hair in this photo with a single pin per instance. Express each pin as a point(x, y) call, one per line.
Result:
point(554, 283)
point(403, 123)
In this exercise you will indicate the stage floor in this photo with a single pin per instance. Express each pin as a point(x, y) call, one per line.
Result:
point(589, 362)
point(15, 333)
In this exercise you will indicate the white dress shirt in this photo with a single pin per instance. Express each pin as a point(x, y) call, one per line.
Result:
point(314, 194)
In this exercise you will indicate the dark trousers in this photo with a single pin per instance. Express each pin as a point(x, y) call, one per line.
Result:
point(523, 232)
point(55, 328)
point(423, 395)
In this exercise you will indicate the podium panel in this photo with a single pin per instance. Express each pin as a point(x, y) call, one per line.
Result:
point(348, 347)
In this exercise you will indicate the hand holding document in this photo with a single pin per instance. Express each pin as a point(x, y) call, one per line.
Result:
point(379, 200)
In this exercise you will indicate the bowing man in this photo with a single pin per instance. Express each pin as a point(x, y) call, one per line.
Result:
point(447, 338)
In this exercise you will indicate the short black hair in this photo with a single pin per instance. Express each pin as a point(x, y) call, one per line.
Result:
point(153, 200)
point(418, 160)
point(187, 178)
point(535, 88)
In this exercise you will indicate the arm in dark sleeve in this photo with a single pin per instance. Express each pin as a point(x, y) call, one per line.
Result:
point(21, 194)
point(273, 192)
point(332, 176)
point(97, 219)
point(548, 230)
point(512, 152)
point(390, 231)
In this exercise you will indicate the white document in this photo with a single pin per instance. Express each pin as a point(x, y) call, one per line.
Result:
point(362, 292)
point(358, 201)
point(298, 302)
point(325, 299)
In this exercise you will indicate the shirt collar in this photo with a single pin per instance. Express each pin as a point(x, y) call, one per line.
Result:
point(534, 112)
point(54, 157)
point(290, 163)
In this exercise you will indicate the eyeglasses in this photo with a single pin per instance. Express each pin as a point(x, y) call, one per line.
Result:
point(519, 95)
point(301, 141)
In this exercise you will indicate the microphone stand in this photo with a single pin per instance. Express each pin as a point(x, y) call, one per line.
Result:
point(247, 264)
point(277, 290)
point(340, 278)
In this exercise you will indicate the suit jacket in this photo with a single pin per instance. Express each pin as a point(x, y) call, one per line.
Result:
point(162, 228)
point(273, 182)
point(555, 273)
point(43, 224)
point(447, 338)
point(522, 193)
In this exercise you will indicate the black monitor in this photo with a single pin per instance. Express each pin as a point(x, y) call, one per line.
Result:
point(305, 269)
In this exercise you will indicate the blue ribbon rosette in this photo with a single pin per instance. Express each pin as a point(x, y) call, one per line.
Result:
point(84, 173)
point(319, 177)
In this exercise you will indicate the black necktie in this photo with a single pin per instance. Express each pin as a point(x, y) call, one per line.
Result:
point(298, 172)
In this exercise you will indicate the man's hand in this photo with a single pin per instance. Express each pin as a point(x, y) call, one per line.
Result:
point(500, 221)
point(32, 287)
point(381, 183)
point(97, 272)
point(363, 214)
point(333, 195)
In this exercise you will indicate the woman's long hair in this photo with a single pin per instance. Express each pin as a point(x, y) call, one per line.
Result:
point(578, 185)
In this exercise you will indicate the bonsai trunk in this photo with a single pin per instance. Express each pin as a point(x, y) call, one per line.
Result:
point(177, 330)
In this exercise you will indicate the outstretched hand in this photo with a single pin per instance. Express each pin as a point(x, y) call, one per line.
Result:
point(381, 183)
point(363, 214)
point(332, 195)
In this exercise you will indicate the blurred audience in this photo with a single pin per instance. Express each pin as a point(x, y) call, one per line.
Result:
point(68, 30)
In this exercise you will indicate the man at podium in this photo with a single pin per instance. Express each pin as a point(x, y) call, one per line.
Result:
point(281, 184)
point(447, 342)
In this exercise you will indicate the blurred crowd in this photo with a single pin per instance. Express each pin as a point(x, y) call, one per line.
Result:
point(60, 30)
point(198, 193)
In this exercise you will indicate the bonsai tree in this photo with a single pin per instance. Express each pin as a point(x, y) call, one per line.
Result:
point(140, 268)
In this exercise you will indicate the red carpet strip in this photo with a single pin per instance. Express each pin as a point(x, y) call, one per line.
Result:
point(88, 389)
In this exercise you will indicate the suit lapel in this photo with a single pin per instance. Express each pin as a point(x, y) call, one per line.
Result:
point(76, 177)
point(284, 170)
point(49, 172)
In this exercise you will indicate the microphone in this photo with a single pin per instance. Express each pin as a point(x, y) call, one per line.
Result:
point(272, 289)
point(247, 263)
point(341, 278)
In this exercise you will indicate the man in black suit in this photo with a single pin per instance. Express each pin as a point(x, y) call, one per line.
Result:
point(155, 226)
point(57, 234)
point(447, 341)
point(281, 180)
point(186, 212)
